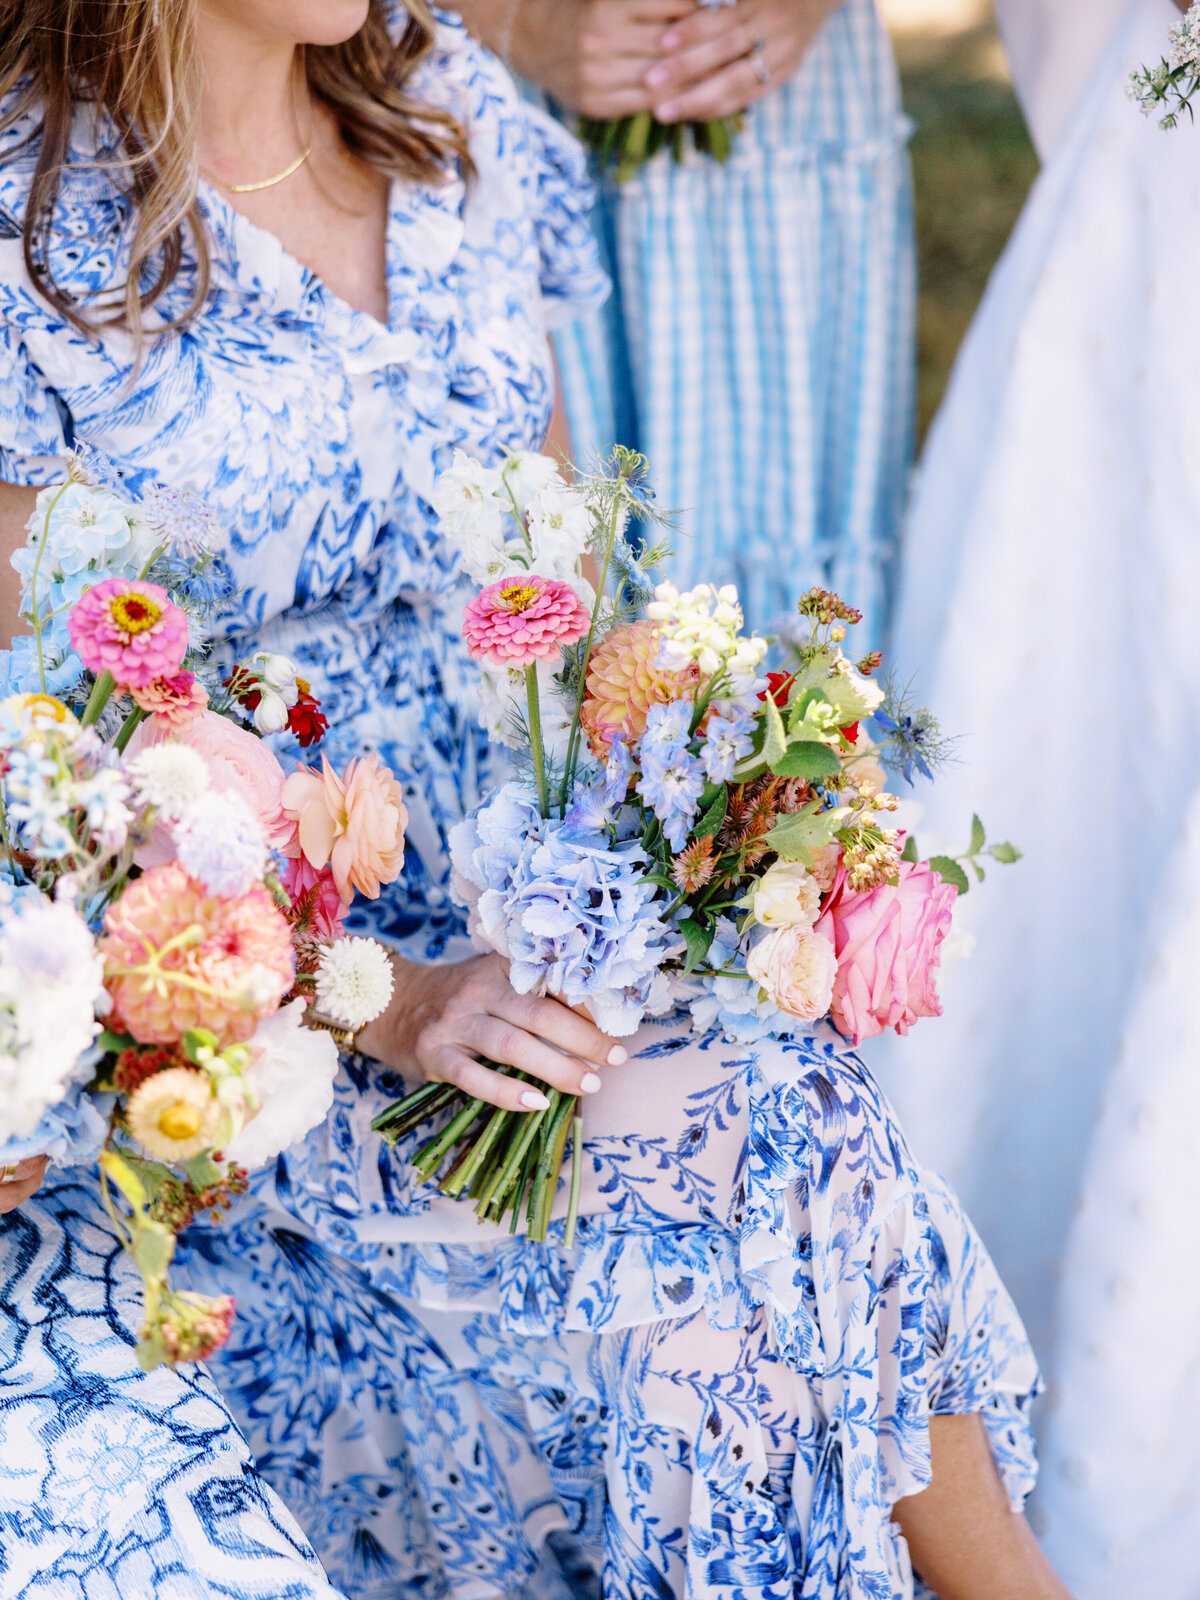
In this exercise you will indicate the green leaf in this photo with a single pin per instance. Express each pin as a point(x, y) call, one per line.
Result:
point(196, 1040)
point(203, 1170)
point(697, 939)
point(152, 1352)
point(773, 745)
point(1005, 854)
point(978, 837)
point(712, 816)
point(950, 872)
point(807, 758)
point(909, 853)
point(980, 874)
point(113, 1043)
point(797, 835)
point(152, 1248)
point(125, 1178)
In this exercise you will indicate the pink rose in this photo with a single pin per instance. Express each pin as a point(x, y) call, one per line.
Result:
point(888, 944)
point(237, 762)
point(354, 824)
point(797, 969)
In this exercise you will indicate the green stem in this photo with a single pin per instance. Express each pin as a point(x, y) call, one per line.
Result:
point(37, 563)
point(5, 840)
point(427, 1158)
point(549, 1168)
point(497, 1124)
point(576, 1178)
point(522, 1186)
point(573, 737)
point(403, 1115)
point(535, 738)
point(492, 1198)
point(101, 694)
point(131, 722)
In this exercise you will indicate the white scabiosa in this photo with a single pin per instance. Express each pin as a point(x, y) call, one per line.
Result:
point(168, 776)
point(354, 981)
point(291, 1073)
point(218, 841)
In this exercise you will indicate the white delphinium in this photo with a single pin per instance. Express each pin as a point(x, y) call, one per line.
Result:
point(168, 776)
point(219, 841)
point(526, 474)
point(292, 1070)
point(51, 982)
point(469, 502)
point(560, 520)
point(354, 981)
point(704, 625)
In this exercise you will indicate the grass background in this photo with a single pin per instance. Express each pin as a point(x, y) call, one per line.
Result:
point(972, 167)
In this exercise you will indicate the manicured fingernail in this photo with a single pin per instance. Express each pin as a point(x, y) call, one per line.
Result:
point(589, 1083)
point(670, 41)
point(657, 77)
point(533, 1101)
point(617, 1056)
point(667, 112)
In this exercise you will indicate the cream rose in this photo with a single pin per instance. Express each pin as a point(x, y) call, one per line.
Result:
point(797, 969)
point(787, 896)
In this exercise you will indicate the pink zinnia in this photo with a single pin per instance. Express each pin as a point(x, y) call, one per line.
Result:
point(133, 630)
point(524, 619)
point(172, 702)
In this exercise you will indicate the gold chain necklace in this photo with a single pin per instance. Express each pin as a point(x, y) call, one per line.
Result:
point(265, 183)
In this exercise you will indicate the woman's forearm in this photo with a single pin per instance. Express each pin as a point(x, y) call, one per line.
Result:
point(16, 504)
point(964, 1538)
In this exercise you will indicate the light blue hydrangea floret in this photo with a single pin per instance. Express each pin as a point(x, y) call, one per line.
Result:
point(572, 912)
point(731, 1004)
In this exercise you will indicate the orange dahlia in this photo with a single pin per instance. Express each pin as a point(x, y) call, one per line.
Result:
point(227, 962)
point(623, 683)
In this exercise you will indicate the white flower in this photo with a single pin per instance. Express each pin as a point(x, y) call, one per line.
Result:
point(466, 499)
point(786, 896)
point(354, 981)
point(180, 520)
point(219, 840)
point(559, 524)
point(291, 1073)
point(704, 625)
point(103, 798)
point(797, 969)
point(174, 1115)
point(278, 673)
point(51, 981)
point(270, 715)
point(168, 776)
point(526, 474)
point(503, 707)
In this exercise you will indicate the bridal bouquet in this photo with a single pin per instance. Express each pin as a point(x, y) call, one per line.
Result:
point(171, 902)
point(685, 829)
point(1175, 80)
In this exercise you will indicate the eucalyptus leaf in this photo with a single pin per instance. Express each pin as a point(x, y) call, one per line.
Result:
point(807, 758)
point(950, 872)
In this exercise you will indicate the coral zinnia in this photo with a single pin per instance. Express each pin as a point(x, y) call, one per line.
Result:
point(131, 629)
point(173, 702)
point(524, 619)
point(623, 682)
point(231, 966)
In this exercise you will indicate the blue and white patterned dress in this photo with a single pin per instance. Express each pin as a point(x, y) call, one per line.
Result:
point(724, 1386)
point(759, 343)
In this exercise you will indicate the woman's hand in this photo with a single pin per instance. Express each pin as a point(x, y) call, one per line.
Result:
point(591, 55)
point(719, 61)
point(24, 1179)
point(440, 1019)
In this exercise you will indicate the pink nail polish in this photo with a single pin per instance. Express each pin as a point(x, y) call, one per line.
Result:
point(670, 40)
point(589, 1083)
point(666, 113)
point(656, 77)
point(533, 1101)
point(617, 1056)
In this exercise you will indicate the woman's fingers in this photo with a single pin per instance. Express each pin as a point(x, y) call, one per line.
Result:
point(726, 93)
point(478, 1082)
point(504, 1042)
point(687, 68)
point(567, 1029)
point(25, 1180)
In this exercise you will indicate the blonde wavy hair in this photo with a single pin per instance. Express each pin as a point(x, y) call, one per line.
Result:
point(138, 63)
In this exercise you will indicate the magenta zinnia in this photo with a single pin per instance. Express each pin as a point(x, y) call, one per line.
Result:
point(523, 619)
point(131, 629)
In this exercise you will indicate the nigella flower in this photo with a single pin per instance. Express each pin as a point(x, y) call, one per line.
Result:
point(182, 521)
point(575, 916)
point(727, 740)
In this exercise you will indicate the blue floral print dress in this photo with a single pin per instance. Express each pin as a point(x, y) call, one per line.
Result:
point(723, 1387)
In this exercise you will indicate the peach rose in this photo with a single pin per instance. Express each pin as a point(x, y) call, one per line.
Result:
point(237, 762)
point(354, 823)
point(797, 968)
point(888, 943)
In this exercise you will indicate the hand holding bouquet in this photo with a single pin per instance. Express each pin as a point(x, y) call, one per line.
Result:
point(684, 829)
point(171, 901)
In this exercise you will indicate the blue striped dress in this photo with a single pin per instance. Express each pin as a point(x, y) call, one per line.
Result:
point(759, 345)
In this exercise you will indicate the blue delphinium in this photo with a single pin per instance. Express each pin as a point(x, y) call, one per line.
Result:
point(572, 912)
point(672, 779)
point(731, 1003)
point(726, 741)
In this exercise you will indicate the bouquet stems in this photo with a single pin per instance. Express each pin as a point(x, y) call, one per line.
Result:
point(506, 1161)
point(629, 142)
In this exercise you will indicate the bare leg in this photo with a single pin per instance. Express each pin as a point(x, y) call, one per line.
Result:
point(964, 1539)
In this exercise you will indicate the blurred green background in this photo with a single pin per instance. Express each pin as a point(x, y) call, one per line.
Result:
point(972, 167)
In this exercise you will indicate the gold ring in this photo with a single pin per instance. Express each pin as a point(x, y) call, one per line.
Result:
point(758, 61)
point(8, 1172)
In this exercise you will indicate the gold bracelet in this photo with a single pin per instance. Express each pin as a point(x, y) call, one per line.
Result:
point(345, 1038)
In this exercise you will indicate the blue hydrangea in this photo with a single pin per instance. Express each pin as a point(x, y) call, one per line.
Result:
point(731, 1004)
point(573, 913)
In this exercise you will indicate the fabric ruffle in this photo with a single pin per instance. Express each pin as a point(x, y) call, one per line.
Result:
point(813, 1306)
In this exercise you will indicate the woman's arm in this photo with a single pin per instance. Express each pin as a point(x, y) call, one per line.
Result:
point(16, 506)
point(964, 1538)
